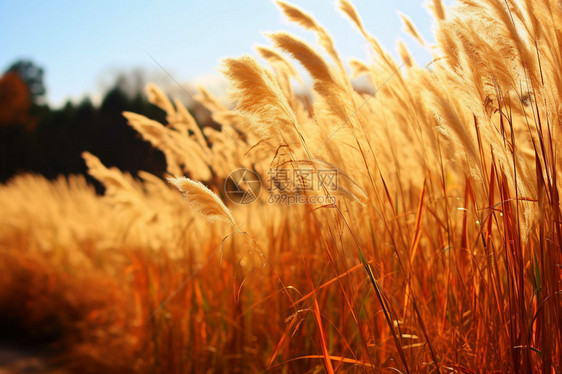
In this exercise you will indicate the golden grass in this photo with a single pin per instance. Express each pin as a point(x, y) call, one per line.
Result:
point(442, 252)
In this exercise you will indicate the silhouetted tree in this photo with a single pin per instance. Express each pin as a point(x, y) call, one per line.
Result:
point(55, 145)
point(15, 120)
point(15, 101)
point(32, 75)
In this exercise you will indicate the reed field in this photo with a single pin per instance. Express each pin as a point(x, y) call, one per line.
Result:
point(411, 227)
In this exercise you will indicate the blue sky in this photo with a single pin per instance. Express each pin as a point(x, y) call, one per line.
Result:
point(79, 43)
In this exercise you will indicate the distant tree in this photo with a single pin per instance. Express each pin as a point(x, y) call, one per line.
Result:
point(15, 104)
point(132, 81)
point(114, 101)
point(15, 101)
point(32, 75)
point(55, 144)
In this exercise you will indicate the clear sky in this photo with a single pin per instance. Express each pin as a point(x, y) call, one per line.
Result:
point(80, 42)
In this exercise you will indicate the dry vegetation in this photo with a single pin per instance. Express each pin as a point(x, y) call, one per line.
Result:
point(442, 252)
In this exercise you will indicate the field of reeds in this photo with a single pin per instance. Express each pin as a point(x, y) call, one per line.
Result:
point(436, 248)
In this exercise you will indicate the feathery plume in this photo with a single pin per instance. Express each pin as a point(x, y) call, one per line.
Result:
point(411, 29)
point(202, 200)
point(404, 54)
point(308, 22)
point(157, 97)
point(325, 83)
point(438, 10)
point(258, 97)
point(278, 60)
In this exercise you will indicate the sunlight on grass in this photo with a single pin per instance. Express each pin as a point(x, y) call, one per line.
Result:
point(413, 230)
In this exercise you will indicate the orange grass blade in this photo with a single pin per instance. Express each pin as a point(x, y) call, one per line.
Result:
point(415, 241)
point(327, 361)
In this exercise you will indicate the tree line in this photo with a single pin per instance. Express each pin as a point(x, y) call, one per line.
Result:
point(39, 139)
